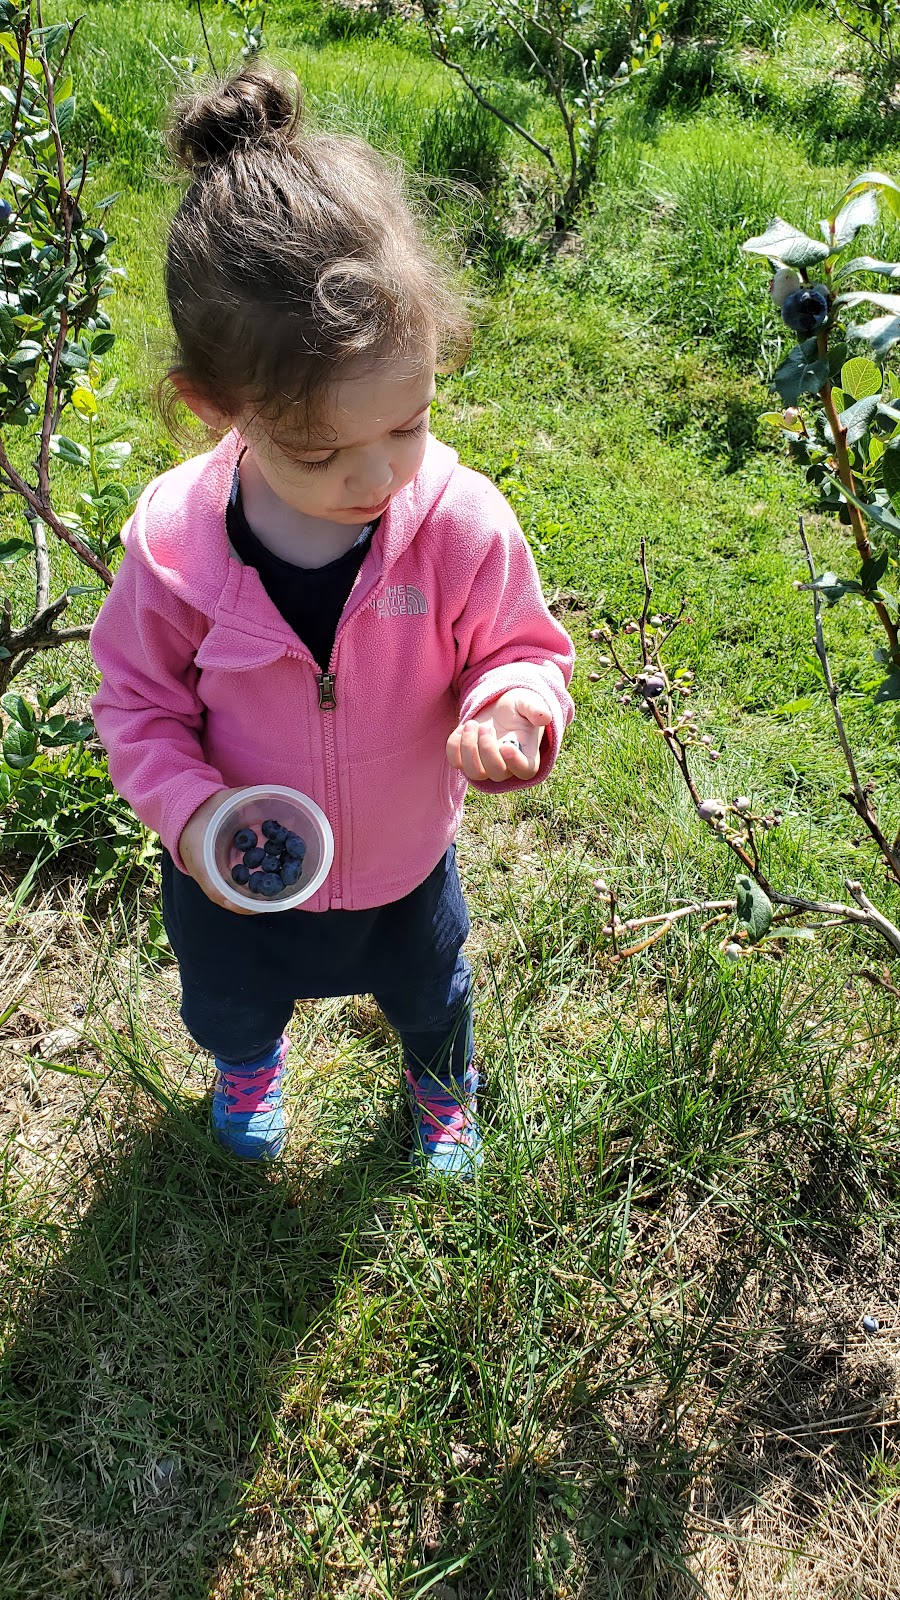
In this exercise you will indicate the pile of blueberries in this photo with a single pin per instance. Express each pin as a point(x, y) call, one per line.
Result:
point(269, 867)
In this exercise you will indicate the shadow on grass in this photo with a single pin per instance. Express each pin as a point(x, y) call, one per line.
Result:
point(236, 1384)
point(146, 1364)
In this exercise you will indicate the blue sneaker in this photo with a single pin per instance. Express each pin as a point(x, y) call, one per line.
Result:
point(447, 1137)
point(247, 1113)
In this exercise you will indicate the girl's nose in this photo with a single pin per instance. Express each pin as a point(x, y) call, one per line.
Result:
point(370, 487)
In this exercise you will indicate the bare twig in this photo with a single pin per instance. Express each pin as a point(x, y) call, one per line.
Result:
point(32, 499)
point(206, 37)
point(879, 980)
point(873, 916)
point(858, 797)
point(439, 50)
point(41, 563)
point(862, 912)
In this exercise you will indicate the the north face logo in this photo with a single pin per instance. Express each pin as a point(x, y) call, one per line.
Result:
point(400, 600)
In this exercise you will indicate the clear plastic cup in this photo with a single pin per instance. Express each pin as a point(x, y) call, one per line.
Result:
point(250, 809)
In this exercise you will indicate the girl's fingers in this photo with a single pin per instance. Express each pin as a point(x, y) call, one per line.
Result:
point(478, 761)
point(475, 749)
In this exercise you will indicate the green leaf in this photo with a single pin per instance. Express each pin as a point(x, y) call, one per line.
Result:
point(882, 519)
point(19, 746)
point(890, 474)
point(53, 695)
point(65, 114)
point(858, 416)
point(754, 908)
point(69, 731)
point(102, 342)
point(831, 587)
point(880, 332)
point(872, 297)
point(18, 709)
point(800, 374)
point(872, 570)
point(886, 187)
point(861, 378)
point(861, 211)
point(784, 243)
point(112, 457)
point(15, 549)
point(888, 689)
point(885, 269)
point(77, 455)
point(16, 243)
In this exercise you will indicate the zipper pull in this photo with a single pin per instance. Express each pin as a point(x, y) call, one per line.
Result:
point(327, 701)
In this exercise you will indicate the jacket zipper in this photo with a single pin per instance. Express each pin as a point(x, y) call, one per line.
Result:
point(325, 683)
point(328, 702)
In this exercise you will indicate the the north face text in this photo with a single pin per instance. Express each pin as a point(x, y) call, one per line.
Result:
point(400, 600)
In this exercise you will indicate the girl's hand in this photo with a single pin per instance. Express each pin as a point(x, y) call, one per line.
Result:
point(502, 741)
point(190, 846)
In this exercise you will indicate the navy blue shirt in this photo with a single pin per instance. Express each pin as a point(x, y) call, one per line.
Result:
point(311, 599)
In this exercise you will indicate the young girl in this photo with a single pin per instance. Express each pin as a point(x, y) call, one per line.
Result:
point(326, 600)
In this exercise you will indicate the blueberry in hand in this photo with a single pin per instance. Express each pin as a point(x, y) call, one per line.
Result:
point(274, 832)
point(270, 883)
point(240, 874)
point(254, 857)
point(295, 847)
point(290, 873)
point(807, 309)
point(244, 839)
point(271, 862)
point(256, 879)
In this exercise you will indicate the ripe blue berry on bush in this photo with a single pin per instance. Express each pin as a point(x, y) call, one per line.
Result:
point(806, 310)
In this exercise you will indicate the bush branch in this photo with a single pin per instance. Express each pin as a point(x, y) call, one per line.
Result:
point(857, 797)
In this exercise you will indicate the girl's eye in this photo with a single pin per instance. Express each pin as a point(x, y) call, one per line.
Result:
point(399, 433)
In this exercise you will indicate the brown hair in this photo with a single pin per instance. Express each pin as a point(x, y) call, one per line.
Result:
point(294, 258)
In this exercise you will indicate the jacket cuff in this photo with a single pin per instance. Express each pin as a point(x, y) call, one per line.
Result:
point(179, 810)
point(521, 675)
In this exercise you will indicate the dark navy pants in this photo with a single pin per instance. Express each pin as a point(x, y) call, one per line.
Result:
point(240, 976)
point(434, 1023)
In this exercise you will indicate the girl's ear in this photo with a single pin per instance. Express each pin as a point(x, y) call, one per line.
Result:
point(198, 403)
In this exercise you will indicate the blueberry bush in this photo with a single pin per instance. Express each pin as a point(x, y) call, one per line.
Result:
point(251, 17)
point(841, 416)
point(54, 331)
point(577, 60)
point(55, 280)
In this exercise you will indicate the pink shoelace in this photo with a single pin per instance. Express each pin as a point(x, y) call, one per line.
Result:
point(246, 1094)
point(445, 1118)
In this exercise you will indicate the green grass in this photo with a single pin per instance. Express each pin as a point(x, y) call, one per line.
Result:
point(636, 1353)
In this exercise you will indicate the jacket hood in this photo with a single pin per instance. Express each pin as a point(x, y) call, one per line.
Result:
point(178, 526)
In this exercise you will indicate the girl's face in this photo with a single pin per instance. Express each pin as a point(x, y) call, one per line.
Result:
point(368, 445)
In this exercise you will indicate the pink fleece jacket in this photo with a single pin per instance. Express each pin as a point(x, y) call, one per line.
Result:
point(205, 686)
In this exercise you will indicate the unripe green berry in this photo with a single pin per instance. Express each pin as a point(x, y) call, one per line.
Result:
point(785, 282)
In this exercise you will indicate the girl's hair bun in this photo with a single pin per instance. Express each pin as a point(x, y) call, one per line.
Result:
point(258, 106)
